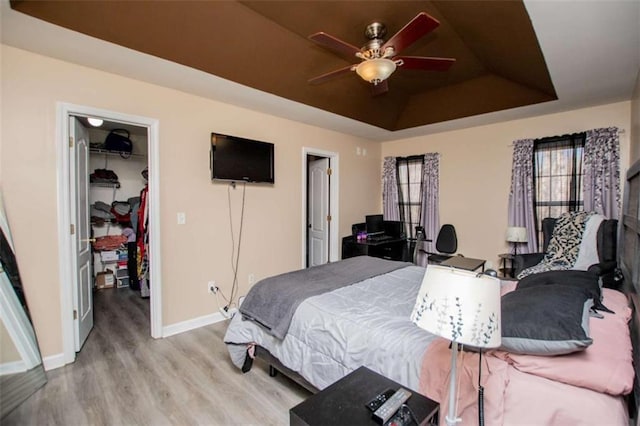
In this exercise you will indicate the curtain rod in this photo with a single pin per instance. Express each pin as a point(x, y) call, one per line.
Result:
point(620, 132)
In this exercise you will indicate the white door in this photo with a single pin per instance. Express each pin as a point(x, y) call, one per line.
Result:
point(318, 236)
point(79, 190)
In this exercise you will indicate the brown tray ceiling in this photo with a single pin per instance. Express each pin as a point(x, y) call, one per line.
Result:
point(264, 45)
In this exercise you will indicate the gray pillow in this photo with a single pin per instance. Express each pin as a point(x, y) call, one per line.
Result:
point(546, 320)
point(571, 278)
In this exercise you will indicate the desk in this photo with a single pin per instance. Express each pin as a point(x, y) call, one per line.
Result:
point(343, 403)
point(391, 249)
point(466, 263)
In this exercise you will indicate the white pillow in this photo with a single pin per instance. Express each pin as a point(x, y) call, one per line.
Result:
point(588, 252)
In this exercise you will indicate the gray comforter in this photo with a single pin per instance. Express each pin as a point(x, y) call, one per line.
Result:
point(273, 301)
point(334, 333)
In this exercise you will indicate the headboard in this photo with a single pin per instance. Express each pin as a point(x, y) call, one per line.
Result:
point(629, 261)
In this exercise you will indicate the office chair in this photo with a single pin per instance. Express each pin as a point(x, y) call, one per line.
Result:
point(447, 243)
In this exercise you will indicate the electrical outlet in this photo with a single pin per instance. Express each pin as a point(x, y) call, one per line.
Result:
point(212, 288)
point(182, 218)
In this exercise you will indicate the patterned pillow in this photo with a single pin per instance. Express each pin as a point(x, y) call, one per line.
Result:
point(564, 246)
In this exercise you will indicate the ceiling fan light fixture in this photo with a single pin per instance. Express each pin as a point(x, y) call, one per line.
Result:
point(376, 70)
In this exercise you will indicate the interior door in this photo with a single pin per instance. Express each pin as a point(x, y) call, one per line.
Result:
point(318, 196)
point(83, 282)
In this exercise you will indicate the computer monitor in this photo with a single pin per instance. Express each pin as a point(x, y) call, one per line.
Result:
point(375, 224)
point(394, 228)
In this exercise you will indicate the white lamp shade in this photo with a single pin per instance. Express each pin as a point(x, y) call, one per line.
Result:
point(376, 69)
point(516, 234)
point(460, 306)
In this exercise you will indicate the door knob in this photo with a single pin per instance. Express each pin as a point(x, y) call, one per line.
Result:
point(90, 240)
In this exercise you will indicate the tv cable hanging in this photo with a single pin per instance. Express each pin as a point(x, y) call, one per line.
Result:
point(235, 252)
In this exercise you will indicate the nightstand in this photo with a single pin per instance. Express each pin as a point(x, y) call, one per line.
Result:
point(344, 402)
point(507, 272)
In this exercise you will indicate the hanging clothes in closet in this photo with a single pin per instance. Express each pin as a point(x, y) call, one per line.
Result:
point(142, 240)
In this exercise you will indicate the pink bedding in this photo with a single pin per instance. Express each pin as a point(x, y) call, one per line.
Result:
point(580, 388)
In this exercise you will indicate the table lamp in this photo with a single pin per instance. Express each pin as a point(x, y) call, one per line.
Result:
point(463, 307)
point(516, 235)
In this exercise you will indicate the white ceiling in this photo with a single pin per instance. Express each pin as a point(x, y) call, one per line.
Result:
point(592, 50)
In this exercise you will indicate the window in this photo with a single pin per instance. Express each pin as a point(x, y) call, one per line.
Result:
point(410, 183)
point(557, 166)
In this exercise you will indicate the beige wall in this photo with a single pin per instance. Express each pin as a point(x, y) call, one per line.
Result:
point(194, 253)
point(475, 169)
point(635, 123)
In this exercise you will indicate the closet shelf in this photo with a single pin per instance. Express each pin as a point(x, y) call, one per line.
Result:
point(106, 184)
point(121, 154)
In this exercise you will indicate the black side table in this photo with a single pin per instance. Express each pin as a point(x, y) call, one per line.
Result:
point(344, 402)
point(505, 271)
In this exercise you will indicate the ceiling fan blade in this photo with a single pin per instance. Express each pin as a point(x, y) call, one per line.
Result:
point(424, 63)
point(420, 25)
point(380, 88)
point(328, 76)
point(334, 44)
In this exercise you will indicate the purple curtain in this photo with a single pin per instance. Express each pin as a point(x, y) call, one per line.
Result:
point(390, 208)
point(430, 219)
point(521, 205)
point(602, 172)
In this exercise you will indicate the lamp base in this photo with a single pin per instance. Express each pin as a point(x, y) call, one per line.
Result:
point(451, 418)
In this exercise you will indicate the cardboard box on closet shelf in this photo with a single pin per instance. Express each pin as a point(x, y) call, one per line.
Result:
point(105, 279)
point(109, 256)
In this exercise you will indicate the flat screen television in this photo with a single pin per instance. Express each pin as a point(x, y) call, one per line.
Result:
point(239, 159)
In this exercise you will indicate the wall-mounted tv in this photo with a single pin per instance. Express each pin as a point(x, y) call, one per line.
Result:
point(239, 159)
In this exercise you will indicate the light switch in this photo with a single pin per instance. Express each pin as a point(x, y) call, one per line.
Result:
point(182, 218)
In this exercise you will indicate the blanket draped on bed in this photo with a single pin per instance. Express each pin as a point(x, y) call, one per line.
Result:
point(273, 301)
point(564, 246)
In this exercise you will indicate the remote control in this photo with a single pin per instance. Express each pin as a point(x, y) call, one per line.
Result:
point(376, 402)
point(389, 408)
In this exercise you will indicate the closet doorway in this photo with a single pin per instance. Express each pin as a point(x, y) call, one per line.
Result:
point(93, 181)
point(320, 207)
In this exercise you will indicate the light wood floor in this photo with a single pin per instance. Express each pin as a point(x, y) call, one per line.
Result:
point(124, 377)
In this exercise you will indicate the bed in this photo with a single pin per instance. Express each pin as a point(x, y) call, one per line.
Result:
point(332, 334)
point(366, 323)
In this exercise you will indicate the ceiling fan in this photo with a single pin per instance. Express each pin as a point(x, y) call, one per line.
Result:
point(379, 58)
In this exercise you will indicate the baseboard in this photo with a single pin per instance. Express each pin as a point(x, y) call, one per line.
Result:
point(12, 367)
point(53, 361)
point(194, 323)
